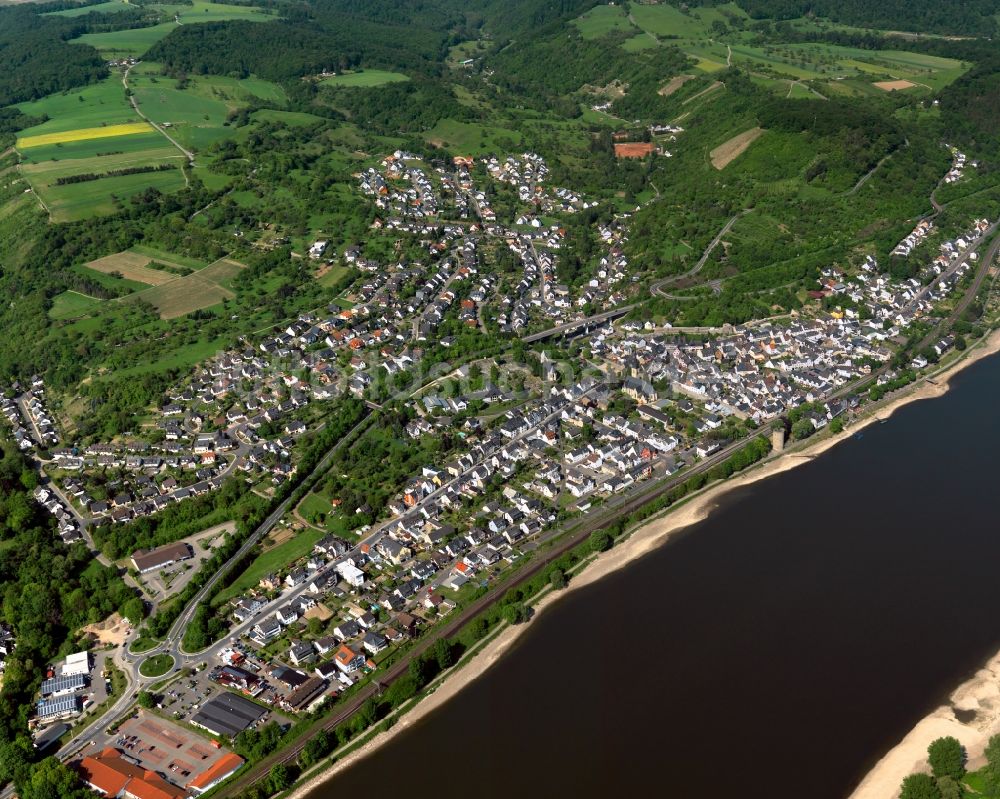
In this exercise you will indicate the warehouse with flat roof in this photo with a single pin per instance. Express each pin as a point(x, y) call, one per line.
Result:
point(77, 663)
point(227, 714)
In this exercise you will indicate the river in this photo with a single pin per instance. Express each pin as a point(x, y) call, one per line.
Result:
point(776, 649)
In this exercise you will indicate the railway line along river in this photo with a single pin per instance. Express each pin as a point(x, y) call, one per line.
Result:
point(776, 649)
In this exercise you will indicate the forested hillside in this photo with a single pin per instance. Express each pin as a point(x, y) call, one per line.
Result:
point(549, 66)
point(971, 105)
point(290, 49)
point(36, 59)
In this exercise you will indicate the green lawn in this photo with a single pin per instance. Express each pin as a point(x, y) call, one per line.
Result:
point(291, 118)
point(602, 20)
point(312, 505)
point(472, 138)
point(94, 106)
point(48, 171)
point(136, 145)
point(128, 42)
point(641, 41)
point(710, 57)
point(138, 41)
point(183, 357)
point(156, 666)
point(71, 304)
point(143, 644)
point(813, 60)
point(202, 11)
point(590, 116)
point(797, 90)
point(194, 121)
point(464, 50)
point(196, 115)
point(366, 78)
point(168, 257)
point(273, 560)
point(664, 20)
point(334, 275)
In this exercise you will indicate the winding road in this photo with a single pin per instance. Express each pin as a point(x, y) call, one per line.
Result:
point(657, 287)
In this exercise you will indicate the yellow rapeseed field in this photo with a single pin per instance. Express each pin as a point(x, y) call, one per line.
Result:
point(84, 134)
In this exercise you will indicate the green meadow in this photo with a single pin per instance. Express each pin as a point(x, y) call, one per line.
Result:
point(119, 44)
point(602, 20)
point(273, 559)
point(196, 114)
point(72, 304)
point(670, 21)
point(98, 197)
point(202, 11)
point(365, 78)
point(109, 281)
point(93, 106)
point(133, 146)
point(471, 137)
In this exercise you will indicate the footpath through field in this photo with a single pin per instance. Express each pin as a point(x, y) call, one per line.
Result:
point(135, 105)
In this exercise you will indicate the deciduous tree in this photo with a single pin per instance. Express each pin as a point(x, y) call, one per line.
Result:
point(947, 758)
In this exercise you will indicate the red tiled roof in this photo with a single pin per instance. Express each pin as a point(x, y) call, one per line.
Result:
point(111, 774)
point(107, 772)
point(153, 786)
point(225, 766)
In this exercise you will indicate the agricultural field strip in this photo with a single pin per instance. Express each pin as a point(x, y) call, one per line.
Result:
point(101, 163)
point(182, 295)
point(132, 266)
point(84, 134)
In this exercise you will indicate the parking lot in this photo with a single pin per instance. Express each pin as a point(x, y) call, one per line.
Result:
point(169, 749)
point(183, 697)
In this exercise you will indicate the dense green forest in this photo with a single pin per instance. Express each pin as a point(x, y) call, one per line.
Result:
point(971, 105)
point(36, 58)
point(285, 50)
point(341, 34)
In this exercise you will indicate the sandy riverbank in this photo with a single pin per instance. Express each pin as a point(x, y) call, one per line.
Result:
point(979, 696)
point(655, 533)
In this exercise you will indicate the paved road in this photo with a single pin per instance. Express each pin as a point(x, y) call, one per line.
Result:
point(657, 288)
